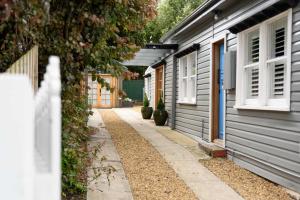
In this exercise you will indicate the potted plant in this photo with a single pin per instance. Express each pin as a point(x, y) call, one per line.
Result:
point(146, 110)
point(127, 102)
point(160, 115)
point(124, 101)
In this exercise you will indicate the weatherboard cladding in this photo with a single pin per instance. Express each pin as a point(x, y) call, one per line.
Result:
point(151, 72)
point(265, 142)
point(168, 86)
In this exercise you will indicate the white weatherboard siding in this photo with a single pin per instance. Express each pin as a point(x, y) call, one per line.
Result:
point(152, 100)
point(265, 142)
point(151, 93)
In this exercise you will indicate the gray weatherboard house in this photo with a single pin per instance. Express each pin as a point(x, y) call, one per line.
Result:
point(230, 75)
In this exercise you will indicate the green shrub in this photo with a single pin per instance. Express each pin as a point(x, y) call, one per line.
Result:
point(160, 105)
point(75, 114)
point(146, 100)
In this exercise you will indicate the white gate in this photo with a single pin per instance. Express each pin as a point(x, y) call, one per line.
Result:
point(30, 136)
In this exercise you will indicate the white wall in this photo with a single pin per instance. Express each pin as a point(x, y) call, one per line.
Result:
point(151, 94)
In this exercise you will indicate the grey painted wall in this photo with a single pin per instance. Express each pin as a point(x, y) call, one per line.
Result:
point(168, 78)
point(265, 142)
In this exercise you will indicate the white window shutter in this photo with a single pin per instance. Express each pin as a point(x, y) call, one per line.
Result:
point(279, 42)
point(278, 80)
point(255, 49)
point(254, 82)
point(277, 38)
point(252, 46)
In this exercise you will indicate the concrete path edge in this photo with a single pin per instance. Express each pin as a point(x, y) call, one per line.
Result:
point(117, 187)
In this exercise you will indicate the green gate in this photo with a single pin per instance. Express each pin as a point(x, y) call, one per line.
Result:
point(134, 89)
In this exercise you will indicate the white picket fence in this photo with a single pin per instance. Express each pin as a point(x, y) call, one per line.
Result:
point(30, 136)
point(27, 64)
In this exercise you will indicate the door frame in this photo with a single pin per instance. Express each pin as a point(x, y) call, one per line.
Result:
point(113, 95)
point(156, 96)
point(213, 122)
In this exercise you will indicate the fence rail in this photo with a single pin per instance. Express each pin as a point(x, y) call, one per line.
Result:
point(30, 136)
point(27, 64)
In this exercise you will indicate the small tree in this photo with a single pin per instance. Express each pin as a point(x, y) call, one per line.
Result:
point(160, 115)
point(146, 110)
point(146, 100)
point(160, 105)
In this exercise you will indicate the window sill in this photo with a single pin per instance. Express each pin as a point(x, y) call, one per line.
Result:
point(187, 103)
point(270, 108)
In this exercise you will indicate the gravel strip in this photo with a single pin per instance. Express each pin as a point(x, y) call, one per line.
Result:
point(148, 173)
point(249, 185)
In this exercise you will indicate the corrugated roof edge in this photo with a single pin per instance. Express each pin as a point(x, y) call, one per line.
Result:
point(188, 19)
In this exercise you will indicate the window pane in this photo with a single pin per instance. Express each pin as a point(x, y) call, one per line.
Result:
point(89, 81)
point(95, 84)
point(277, 79)
point(193, 64)
point(253, 47)
point(107, 80)
point(252, 81)
point(193, 87)
point(95, 99)
point(277, 38)
point(184, 66)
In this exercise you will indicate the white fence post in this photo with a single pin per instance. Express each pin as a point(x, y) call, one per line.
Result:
point(48, 134)
point(55, 89)
point(16, 137)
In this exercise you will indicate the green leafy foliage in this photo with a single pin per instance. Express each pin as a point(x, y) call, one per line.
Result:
point(146, 100)
point(170, 13)
point(74, 155)
point(87, 35)
point(160, 104)
point(19, 23)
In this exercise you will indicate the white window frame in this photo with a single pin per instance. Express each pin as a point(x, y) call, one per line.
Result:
point(189, 99)
point(263, 102)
